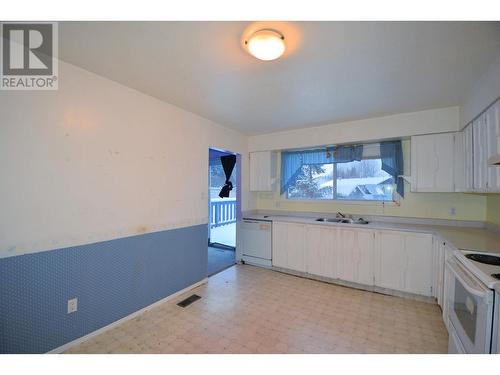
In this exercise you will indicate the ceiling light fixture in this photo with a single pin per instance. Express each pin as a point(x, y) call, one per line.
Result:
point(266, 44)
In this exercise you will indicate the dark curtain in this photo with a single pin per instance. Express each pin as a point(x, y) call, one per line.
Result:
point(228, 162)
point(391, 153)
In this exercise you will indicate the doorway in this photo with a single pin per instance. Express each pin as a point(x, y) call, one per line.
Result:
point(223, 208)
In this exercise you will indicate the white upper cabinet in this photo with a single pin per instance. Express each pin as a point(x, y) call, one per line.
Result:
point(262, 170)
point(482, 141)
point(433, 163)
point(459, 171)
point(469, 158)
point(492, 123)
point(480, 154)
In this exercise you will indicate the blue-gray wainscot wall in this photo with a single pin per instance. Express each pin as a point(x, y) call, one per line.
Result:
point(111, 280)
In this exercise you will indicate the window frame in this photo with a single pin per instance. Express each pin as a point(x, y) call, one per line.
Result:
point(348, 201)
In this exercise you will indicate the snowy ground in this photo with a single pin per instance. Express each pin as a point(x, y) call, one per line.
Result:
point(346, 186)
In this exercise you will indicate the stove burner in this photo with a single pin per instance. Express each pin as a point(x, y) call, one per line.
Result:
point(482, 258)
point(496, 276)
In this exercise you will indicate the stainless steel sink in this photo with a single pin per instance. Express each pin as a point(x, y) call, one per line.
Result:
point(343, 220)
point(329, 220)
point(354, 221)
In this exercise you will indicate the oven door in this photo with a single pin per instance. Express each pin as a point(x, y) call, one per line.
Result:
point(470, 309)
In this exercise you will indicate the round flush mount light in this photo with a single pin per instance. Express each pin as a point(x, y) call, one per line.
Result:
point(266, 44)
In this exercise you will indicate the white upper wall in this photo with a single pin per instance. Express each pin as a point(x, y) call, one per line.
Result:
point(373, 129)
point(482, 94)
point(96, 160)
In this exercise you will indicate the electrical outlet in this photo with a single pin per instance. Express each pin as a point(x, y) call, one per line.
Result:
point(72, 305)
point(453, 211)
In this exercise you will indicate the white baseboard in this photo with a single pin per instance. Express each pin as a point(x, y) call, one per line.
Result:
point(79, 340)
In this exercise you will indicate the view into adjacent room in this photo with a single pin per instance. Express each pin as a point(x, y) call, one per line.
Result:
point(223, 208)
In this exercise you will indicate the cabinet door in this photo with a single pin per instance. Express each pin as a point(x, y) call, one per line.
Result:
point(346, 269)
point(355, 256)
point(492, 123)
point(391, 261)
point(321, 250)
point(296, 250)
point(432, 163)
point(422, 163)
point(480, 153)
point(418, 249)
point(447, 283)
point(459, 166)
point(261, 171)
point(365, 253)
point(469, 158)
point(280, 258)
point(438, 248)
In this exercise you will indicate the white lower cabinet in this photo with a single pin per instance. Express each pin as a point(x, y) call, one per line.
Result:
point(447, 280)
point(289, 246)
point(404, 262)
point(420, 264)
point(397, 260)
point(280, 258)
point(355, 255)
point(438, 249)
point(321, 250)
point(390, 268)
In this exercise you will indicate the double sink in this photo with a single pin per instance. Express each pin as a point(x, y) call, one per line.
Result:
point(343, 220)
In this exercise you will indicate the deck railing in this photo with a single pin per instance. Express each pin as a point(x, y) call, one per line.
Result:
point(222, 211)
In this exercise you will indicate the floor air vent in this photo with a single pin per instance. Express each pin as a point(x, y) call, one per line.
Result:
point(189, 300)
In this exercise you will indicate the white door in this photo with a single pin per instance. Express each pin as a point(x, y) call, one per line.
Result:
point(280, 258)
point(355, 256)
point(418, 248)
point(321, 244)
point(391, 262)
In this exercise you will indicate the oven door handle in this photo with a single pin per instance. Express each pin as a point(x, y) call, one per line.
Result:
point(467, 282)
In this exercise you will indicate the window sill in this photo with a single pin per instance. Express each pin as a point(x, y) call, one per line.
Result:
point(346, 202)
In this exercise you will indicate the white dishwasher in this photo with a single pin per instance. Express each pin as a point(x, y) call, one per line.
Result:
point(256, 241)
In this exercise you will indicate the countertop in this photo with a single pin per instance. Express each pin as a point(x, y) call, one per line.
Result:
point(461, 237)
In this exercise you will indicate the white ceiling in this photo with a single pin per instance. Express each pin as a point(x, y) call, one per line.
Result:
point(331, 72)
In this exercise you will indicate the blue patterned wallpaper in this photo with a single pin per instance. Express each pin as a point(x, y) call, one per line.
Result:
point(111, 279)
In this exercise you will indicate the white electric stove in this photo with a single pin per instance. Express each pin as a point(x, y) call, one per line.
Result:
point(473, 304)
point(485, 266)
